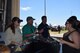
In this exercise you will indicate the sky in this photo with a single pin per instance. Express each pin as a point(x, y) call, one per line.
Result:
point(57, 11)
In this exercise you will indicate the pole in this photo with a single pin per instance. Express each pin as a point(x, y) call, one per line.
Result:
point(45, 7)
point(5, 6)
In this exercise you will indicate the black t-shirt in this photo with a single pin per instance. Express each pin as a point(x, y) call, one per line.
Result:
point(45, 33)
point(66, 48)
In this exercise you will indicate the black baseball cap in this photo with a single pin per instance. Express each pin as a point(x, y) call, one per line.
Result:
point(29, 18)
point(16, 19)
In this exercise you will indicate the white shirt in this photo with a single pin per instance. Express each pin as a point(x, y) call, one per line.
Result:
point(10, 36)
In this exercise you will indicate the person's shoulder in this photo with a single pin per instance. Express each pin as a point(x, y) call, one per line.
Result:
point(33, 26)
point(47, 24)
point(8, 29)
point(40, 25)
point(75, 33)
point(18, 28)
point(25, 26)
point(66, 33)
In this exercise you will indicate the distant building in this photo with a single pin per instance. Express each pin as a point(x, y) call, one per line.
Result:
point(8, 9)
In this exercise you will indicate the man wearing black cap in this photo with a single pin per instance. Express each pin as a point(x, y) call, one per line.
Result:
point(28, 29)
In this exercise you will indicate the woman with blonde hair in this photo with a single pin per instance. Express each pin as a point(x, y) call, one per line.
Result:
point(4, 49)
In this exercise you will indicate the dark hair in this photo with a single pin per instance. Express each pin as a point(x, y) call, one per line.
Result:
point(73, 20)
point(4, 48)
point(79, 24)
point(43, 17)
point(73, 17)
point(11, 25)
point(16, 19)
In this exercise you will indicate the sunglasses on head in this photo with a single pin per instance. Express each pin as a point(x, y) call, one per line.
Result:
point(66, 23)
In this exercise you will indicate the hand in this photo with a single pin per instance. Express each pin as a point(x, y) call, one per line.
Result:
point(28, 35)
point(62, 41)
point(25, 41)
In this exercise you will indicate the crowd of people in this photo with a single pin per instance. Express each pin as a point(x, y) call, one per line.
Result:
point(13, 36)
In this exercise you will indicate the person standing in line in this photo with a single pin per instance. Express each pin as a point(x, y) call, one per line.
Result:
point(59, 29)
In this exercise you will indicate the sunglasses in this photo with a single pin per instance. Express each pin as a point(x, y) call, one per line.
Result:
point(66, 23)
point(19, 21)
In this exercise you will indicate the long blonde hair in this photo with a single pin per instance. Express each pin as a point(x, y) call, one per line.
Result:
point(4, 49)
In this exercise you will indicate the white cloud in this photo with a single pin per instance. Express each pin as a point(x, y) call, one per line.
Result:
point(25, 8)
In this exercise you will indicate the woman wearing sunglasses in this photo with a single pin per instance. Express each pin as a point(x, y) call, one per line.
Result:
point(13, 34)
point(71, 39)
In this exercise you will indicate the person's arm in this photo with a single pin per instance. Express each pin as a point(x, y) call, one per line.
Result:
point(19, 36)
point(40, 29)
point(75, 39)
point(8, 36)
point(26, 33)
point(23, 33)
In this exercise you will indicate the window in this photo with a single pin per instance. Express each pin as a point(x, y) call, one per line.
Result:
point(2, 3)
